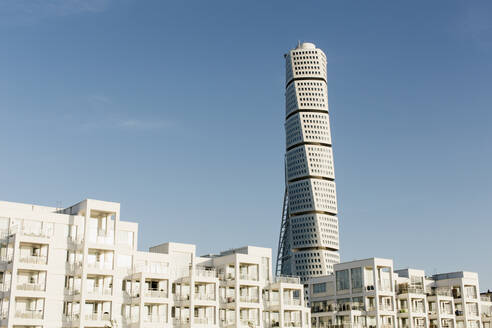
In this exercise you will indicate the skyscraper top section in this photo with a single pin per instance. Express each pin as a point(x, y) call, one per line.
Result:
point(305, 62)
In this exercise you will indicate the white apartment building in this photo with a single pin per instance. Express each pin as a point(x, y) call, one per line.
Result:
point(309, 241)
point(80, 267)
point(369, 293)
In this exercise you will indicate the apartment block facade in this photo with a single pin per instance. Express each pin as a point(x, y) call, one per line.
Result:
point(369, 293)
point(80, 267)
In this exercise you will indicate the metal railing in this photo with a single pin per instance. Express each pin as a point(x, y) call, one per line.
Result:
point(97, 316)
point(205, 273)
point(229, 299)
point(244, 276)
point(72, 292)
point(411, 290)
point(249, 299)
point(292, 301)
point(31, 287)
point(155, 319)
point(155, 293)
point(100, 265)
point(33, 259)
point(100, 291)
point(205, 297)
point(185, 297)
point(35, 314)
point(287, 279)
point(204, 321)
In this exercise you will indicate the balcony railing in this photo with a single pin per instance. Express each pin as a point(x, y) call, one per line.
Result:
point(205, 273)
point(40, 233)
point(287, 279)
point(249, 299)
point(74, 266)
point(292, 301)
point(32, 259)
point(441, 292)
point(155, 319)
point(204, 321)
point(249, 323)
point(229, 299)
point(35, 314)
point(384, 285)
point(226, 276)
point(384, 307)
point(411, 290)
point(72, 292)
point(71, 317)
point(292, 324)
point(97, 316)
point(205, 297)
point(185, 297)
point(251, 277)
point(100, 265)
point(31, 287)
point(100, 291)
point(155, 293)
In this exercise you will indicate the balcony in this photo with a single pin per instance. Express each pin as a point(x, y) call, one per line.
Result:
point(71, 292)
point(384, 285)
point(249, 299)
point(155, 293)
point(181, 322)
point(204, 321)
point(411, 290)
point(287, 279)
point(441, 292)
point(100, 265)
point(75, 242)
point(31, 287)
point(154, 319)
point(100, 292)
point(181, 298)
point(228, 300)
point(384, 307)
point(292, 301)
point(250, 277)
point(34, 314)
point(248, 323)
point(74, 266)
point(33, 259)
point(71, 319)
point(98, 317)
point(292, 324)
point(205, 297)
point(205, 273)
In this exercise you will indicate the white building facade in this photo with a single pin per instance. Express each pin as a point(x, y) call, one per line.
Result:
point(79, 267)
point(369, 293)
point(309, 239)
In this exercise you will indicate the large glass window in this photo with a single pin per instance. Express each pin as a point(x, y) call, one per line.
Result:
point(319, 288)
point(342, 277)
point(356, 275)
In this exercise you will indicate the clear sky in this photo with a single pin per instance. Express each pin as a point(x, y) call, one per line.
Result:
point(176, 110)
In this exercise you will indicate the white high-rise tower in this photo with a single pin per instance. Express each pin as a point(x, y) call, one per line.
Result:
point(308, 244)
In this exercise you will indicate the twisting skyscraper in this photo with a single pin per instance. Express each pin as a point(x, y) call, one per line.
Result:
point(308, 244)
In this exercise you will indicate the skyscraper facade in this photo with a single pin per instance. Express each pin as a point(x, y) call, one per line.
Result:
point(308, 243)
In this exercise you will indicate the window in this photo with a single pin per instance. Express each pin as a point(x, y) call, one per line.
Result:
point(342, 277)
point(356, 277)
point(319, 288)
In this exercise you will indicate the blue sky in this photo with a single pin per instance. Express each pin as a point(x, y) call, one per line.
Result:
point(175, 109)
